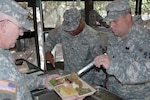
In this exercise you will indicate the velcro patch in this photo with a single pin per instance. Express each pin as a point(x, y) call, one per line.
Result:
point(8, 86)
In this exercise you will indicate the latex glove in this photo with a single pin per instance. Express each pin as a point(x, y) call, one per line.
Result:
point(48, 79)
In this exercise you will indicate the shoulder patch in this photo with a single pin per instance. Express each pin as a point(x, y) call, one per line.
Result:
point(8, 86)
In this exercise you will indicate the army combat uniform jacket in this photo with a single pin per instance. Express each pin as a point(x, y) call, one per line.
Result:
point(130, 64)
point(78, 51)
point(13, 84)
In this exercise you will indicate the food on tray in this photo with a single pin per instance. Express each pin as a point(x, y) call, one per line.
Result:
point(75, 79)
point(82, 91)
point(79, 83)
point(74, 76)
point(63, 80)
point(55, 82)
point(71, 85)
point(68, 91)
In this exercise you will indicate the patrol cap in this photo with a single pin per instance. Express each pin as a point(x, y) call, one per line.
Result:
point(13, 9)
point(117, 8)
point(71, 19)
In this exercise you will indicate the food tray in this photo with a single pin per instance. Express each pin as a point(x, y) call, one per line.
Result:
point(66, 81)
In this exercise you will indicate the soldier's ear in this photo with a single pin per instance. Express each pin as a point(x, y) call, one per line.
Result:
point(128, 17)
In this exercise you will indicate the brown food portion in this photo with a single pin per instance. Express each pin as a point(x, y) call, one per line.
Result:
point(81, 90)
point(74, 76)
point(75, 79)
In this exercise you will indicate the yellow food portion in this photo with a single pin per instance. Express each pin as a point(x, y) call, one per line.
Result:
point(68, 91)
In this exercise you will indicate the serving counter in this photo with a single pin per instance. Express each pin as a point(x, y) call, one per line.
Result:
point(100, 94)
point(49, 94)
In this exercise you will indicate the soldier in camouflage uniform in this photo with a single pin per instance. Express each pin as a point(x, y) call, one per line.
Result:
point(80, 44)
point(13, 84)
point(128, 59)
point(97, 22)
point(95, 19)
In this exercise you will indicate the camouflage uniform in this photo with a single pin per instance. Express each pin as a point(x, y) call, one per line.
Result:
point(24, 82)
point(93, 18)
point(129, 69)
point(79, 50)
point(103, 31)
point(138, 20)
point(130, 64)
point(13, 84)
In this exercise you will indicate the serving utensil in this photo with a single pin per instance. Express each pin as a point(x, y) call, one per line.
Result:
point(86, 68)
